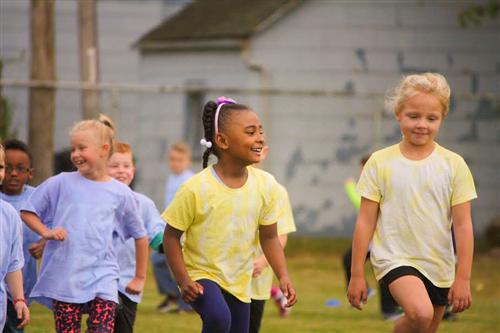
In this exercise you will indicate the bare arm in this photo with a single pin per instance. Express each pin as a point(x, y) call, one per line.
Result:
point(260, 263)
point(34, 223)
point(460, 295)
point(190, 290)
point(14, 281)
point(363, 233)
point(273, 251)
point(136, 285)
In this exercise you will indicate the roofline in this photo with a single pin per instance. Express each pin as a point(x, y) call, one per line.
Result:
point(278, 14)
point(182, 45)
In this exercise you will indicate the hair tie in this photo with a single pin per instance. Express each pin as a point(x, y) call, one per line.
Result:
point(220, 101)
point(206, 143)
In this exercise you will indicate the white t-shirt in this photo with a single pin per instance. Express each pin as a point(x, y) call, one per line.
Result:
point(415, 200)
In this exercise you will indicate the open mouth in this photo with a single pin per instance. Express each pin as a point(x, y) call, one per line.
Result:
point(257, 150)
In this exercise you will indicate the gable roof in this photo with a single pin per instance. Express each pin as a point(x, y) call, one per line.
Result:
point(215, 20)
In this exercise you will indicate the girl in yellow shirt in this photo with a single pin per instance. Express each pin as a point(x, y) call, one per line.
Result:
point(221, 211)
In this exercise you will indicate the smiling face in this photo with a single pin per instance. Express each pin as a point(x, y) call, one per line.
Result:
point(17, 171)
point(243, 137)
point(87, 155)
point(121, 167)
point(420, 119)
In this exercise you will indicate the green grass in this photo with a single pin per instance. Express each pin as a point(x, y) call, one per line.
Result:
point(315, 267)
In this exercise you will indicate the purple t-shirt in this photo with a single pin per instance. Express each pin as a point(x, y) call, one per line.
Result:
point(84, 265)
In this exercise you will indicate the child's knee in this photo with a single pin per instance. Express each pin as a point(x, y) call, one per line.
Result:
point(420, 316)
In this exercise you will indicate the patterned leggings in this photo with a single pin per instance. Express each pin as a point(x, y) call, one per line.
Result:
point(68, 316)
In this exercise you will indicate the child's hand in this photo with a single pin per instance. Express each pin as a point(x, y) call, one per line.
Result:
point(190, 290)
point(36, 249)
point(259, 265)
point(135, 286)
point(58, 234)
point(23, 313)
point(289, 291)
point(459, 295)
point(356, 292)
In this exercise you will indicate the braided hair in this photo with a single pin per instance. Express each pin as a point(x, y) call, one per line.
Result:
point(208, 119)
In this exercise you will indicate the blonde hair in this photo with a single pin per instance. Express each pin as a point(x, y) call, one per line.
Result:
point(103, 127)
point(2, 152)
point(429, 83)
point(182, 148)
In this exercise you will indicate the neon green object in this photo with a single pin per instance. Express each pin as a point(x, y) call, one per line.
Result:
point(352, 194)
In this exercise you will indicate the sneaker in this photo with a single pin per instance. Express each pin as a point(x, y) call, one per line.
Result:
point(449, 315)
point(164, 303)
point(370, 293)
point(171, 306)
point(392, 316)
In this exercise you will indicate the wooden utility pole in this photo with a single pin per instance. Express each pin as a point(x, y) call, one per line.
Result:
point(41, 100)
point(89, 56)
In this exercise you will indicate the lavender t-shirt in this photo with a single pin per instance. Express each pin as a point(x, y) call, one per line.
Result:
point(84, 265)
point(11, 251)
point(125, 249)
point(29, 238)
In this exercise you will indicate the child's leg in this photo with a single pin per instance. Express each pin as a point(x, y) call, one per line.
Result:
point(410, 293)
point(68, 316)
point(102, 315)
point(240, 313)
point(213, 309)
point(256, 313)
point(125, 315)
point(436, 320)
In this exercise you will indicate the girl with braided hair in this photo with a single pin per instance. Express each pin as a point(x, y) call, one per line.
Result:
point(221, 211)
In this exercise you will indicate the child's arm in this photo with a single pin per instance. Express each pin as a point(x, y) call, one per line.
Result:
point(14, 281)
point(35, 224)
point(459, 294)
point(36, 249)
point(260, 263)
point(190, 290)
point(363, 232)
point(273, 250)
point(136, 285)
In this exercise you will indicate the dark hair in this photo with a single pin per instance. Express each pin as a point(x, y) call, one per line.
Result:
point(364, 159)
point(209, 125)
point(14, 144)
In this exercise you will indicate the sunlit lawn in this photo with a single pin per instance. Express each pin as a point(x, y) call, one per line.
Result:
point(315, 266)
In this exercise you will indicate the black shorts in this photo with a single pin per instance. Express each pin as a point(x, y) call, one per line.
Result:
point(438, 296)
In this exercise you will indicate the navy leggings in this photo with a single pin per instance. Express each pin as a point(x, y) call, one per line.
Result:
point(220, 311)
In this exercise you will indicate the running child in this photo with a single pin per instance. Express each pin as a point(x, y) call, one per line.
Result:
point(121, 167)
point(11, 259)
point(15, 190)
point(411, 192)
point(179, 163)
point(262, 275)
point(220, 210)
point(79, 214)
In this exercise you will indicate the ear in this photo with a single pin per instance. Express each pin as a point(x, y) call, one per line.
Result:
point(105, 149)
point(221, 140)
point(30, 173)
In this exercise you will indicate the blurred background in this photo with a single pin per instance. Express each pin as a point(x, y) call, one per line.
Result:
point(315, 71)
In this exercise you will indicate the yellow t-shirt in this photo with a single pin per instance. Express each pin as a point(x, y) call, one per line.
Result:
point(261, 285)
point(220, 225)
point(415, 200)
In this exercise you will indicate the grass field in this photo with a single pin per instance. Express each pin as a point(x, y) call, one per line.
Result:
point(315, 267)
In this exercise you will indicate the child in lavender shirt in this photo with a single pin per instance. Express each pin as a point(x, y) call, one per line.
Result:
point(121, 167)
point(85, 210)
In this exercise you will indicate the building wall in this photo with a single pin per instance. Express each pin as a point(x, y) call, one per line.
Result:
point(362, 49)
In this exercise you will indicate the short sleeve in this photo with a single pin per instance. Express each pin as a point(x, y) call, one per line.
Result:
point(369, 185)
point(272, 211)
point(129, 218)
point(286, 224)
point(41, 200)
point(181, 211)
point(463, 188)
point(16, 261)
point(152, 220)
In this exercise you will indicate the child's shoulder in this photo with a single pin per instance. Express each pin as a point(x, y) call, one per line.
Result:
point(143, 199)
point(261, 175)
point(7, 210)
point(387, 152)
point(448, 154)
